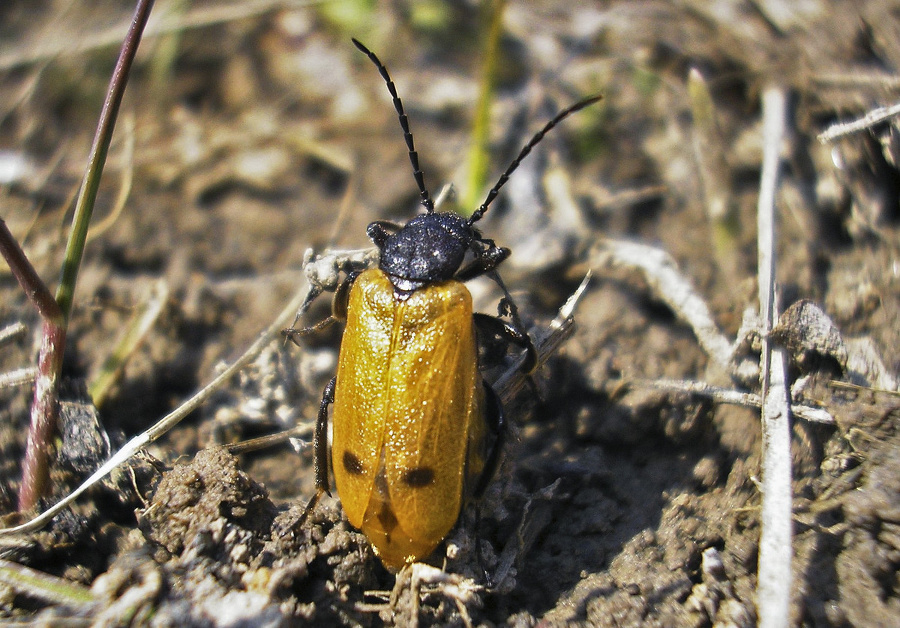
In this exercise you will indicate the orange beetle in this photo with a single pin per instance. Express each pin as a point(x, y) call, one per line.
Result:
point(411, 411)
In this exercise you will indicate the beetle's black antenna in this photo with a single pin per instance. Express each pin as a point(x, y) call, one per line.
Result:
point(404, 124)
point(581, 104)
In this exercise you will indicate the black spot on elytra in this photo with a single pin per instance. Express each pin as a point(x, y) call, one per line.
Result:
point(419, 477)
point(352, 464)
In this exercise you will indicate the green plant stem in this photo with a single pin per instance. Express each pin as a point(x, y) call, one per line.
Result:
point(43, 586)
point(44, 410)
point(84, 206)
point(478, 154)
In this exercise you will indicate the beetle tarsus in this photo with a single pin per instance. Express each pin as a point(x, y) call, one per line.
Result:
point(498, 327)
point(294, 333)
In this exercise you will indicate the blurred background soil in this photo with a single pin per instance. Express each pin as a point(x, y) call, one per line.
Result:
point(253, 131)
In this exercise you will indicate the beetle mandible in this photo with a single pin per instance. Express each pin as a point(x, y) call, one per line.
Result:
point(411, 411)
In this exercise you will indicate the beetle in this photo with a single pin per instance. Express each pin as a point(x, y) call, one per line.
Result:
point(416, 430)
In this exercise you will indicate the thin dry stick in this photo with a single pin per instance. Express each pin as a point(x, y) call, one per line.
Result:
point(666, 280)
point(774, 577)
point(202, 17)
point(729, 396)
point(872, 117)
point(18, 377)
point(856, 79)
point(12, 332)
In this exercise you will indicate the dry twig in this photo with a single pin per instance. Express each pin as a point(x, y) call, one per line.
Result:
point(774, 576)
point(870, 119)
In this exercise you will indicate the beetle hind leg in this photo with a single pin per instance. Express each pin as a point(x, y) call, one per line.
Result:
point(495, 418)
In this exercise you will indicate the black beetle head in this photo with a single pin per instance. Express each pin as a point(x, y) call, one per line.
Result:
point(429, 249)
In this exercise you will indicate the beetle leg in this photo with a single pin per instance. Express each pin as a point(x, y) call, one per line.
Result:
point(320, 448)
point(518, 328)
point(338, 311)
point(498, 327)
point(342, 296)
point(486, 263)
point(511, 305)
point(483, 263)
point(320, 439)
point(496, 423)
point(293, 333)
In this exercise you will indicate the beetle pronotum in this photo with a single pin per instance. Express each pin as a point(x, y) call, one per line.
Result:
point(411, 410)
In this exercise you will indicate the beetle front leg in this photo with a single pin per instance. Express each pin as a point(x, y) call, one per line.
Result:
point(338, 310)
point(483, 263)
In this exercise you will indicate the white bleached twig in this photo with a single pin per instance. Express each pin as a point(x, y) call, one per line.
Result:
point(774, 575)
point(671, 286)
point(870, 119)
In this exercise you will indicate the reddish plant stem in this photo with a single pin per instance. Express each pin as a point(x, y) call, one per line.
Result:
point(44, 416)
point(24, 272)
point(45, 409)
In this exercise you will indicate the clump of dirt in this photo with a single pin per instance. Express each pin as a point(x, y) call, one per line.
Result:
point(210, 490)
